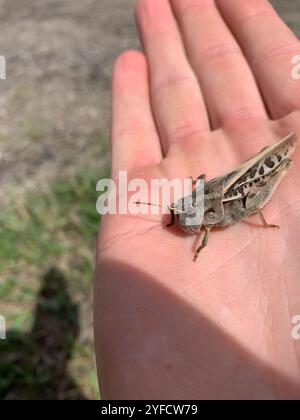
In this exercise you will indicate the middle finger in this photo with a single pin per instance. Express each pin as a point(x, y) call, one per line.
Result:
point(225, 78)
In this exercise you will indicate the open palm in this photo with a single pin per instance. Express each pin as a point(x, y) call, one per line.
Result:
point(214, 88)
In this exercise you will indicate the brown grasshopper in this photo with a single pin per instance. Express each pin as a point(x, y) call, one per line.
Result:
point(239, 194)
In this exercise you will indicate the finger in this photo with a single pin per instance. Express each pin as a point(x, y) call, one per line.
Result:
point(225, 78)
point(270, 47)
point(177, 101)
point(135, 141)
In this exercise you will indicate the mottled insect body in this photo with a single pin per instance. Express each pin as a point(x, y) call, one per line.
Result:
point(239, 194)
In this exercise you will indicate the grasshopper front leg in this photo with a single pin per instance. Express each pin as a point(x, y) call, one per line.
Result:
point(194, 181)
point(204, 242)
point(171, 223)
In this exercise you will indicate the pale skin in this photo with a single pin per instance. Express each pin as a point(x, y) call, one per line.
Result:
point(213, 87)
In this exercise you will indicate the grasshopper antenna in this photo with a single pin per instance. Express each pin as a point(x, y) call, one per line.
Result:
point(148, 204)
point(171, 208)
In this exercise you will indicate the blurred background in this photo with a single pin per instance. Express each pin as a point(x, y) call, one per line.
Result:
point(54, 132)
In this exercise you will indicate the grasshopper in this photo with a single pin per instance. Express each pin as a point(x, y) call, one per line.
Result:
point(245, 191)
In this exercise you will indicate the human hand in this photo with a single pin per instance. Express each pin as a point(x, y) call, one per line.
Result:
point(214, 88)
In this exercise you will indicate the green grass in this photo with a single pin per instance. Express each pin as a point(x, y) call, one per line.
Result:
point(47, 247)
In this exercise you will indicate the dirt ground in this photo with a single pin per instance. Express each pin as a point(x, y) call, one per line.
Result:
point(54, 105)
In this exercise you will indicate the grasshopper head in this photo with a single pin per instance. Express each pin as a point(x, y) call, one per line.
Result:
point(189, 213)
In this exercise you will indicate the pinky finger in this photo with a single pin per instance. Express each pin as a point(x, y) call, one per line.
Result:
point(135, 141)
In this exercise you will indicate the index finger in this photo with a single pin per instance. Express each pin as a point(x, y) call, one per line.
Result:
point(135, 141)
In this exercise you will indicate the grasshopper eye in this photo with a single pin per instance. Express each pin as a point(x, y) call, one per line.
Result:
point(211, 217)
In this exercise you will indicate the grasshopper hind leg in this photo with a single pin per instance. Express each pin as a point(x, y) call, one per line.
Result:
point(256, 199)
point(204, 242)
point(264, 222)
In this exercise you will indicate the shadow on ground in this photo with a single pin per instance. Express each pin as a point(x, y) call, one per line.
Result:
point(34, 365)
